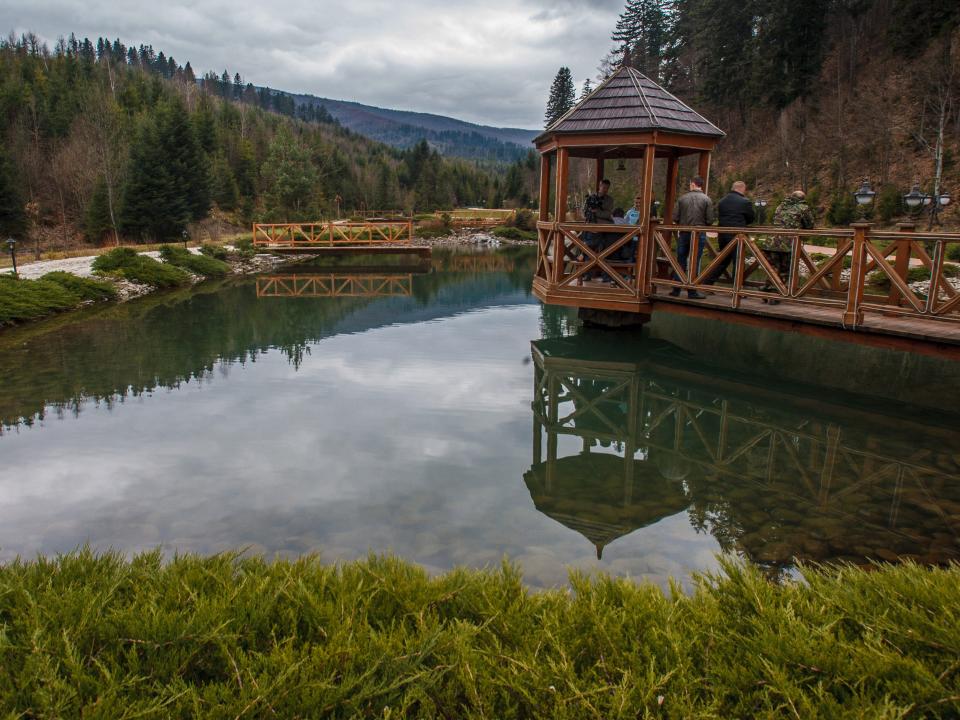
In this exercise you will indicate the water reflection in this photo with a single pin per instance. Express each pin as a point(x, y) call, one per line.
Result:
point(335, 285)
point(771, 474)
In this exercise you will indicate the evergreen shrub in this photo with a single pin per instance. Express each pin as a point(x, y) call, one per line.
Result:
point(88, 635)
point(514, 233)
point(24, 300)
point(217, 252)
point(127, 263)
point(197, 264)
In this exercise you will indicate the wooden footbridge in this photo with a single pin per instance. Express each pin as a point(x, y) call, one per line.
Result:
point(368, 237)
point(770, 473)
point(861, 286)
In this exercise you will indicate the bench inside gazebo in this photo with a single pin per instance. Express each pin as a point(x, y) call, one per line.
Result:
point(627, 117)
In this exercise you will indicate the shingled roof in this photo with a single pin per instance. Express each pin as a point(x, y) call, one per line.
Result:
point(630, 101)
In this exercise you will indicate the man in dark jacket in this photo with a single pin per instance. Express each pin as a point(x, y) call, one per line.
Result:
point(734, 210)
point(693, 208)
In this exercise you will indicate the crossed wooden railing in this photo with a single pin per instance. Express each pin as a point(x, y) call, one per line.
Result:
point(335, 285)
point(866, 271)
point(333, 234)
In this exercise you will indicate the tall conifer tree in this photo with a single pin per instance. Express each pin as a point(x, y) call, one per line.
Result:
point(562, 95)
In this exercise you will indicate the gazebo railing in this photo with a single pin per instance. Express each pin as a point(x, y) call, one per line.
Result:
point(858, 275)
point(573, 253)
point(849, 271)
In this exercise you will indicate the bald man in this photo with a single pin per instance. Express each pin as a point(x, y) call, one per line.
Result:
point(734, 210)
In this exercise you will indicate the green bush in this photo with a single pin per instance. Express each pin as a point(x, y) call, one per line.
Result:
point(126, 263)
point(244, 247)
point(842, 210)
point(197, 264)
point(83, 288)
point(514, 233)
point(103, 636)
point(24, 300)
point(889, 203)
point(953, 252)
point(218, 252)
point(433, 229)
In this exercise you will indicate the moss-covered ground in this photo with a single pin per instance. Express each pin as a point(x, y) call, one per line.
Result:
point(98, 636)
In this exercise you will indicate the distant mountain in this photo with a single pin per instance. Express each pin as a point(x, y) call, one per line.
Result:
point(403, 129)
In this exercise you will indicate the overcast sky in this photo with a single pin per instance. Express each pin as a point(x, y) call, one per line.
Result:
point(489, 62)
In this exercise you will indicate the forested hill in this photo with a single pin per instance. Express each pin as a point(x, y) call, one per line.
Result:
point(816, 94)
point(403, 129)
point(101, 141)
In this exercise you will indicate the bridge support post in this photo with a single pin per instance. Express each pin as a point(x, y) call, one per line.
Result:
point(902, 261)
point(853, 315)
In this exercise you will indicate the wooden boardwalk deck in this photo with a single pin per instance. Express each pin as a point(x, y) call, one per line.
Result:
point(894, 331)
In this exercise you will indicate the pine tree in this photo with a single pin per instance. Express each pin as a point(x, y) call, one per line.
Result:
point(561, 98)
point(168, 185)
point(290, 178)
point(587, 89)
point(96, 220)
point(154, 206)
point(12, 219)
point(224, 189)
point(642, 36)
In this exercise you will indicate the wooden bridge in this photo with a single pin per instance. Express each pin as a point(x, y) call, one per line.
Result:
point(783, 478)
point(374, 236)
point(859, 284)
point(335, 285)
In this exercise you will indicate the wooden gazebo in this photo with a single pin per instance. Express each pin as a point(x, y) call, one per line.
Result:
point(627, 116)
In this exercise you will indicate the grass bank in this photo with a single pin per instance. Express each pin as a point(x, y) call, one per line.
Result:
point(98, 636)
point(26, 300)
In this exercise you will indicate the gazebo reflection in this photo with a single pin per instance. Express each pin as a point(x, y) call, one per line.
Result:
point(772, 475)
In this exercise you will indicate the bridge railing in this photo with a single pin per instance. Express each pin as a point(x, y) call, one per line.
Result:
point(332, 285)
point(333, 234)
point(848, 270)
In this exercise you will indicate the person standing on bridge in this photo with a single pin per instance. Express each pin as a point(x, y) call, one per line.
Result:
point(694, 208)
point(793, 213)
point(734, 210)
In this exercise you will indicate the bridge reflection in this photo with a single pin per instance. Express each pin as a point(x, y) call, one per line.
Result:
point(772, 473)
point(334, 285)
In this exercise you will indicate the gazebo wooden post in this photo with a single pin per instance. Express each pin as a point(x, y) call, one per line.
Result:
point(645, 245)
point(599, 173)
point(563, 165)
point(670, 198)
point(703, 169)
point(559, 243)
point(545, 187)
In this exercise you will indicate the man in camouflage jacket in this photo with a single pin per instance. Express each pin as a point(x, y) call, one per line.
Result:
point(794, 214)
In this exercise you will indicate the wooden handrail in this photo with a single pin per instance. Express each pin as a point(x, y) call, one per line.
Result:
point(841, 280)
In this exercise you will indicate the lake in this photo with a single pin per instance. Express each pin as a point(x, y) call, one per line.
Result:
point(443, 414)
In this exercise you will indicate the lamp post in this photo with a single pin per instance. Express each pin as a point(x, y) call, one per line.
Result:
point(186, 236)
point(864, 196)
point(916, 200)
point(12, 247)
point(761, 205)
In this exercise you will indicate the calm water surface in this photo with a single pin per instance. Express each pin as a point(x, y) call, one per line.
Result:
point(449, 418)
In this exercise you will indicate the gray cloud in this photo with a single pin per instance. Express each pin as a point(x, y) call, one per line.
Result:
point(490, 63)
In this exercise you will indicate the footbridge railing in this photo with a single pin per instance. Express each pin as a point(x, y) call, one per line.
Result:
point(333, 234)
